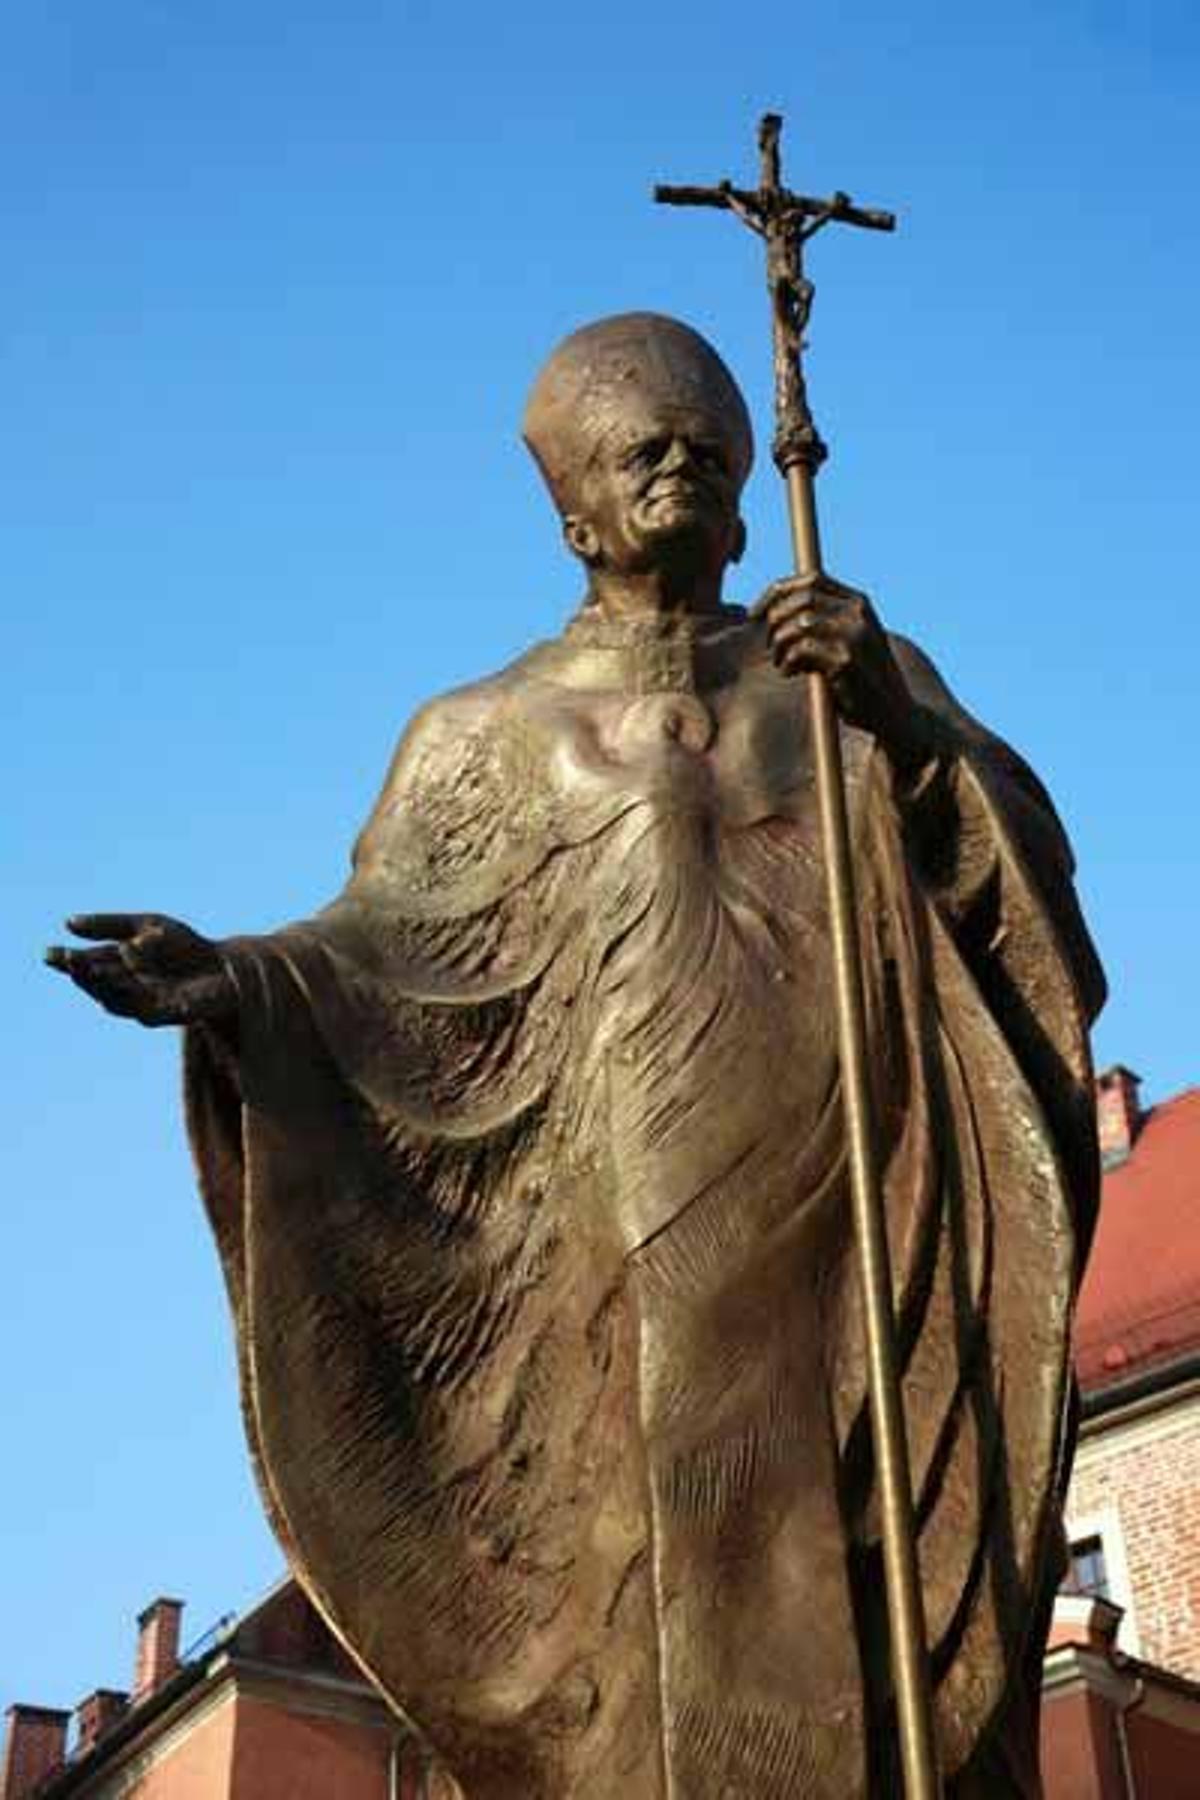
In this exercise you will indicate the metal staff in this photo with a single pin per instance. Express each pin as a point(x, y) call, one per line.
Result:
point(785, 221)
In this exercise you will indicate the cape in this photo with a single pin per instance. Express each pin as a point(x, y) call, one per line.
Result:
point(527, 1170)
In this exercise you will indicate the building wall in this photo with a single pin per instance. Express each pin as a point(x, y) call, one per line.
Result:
point(1080, 1754)
point(1164, 1758)
point(1099, 1716)
point(244, 1746)
point(281, 1753)
point(1139, 1484)
point(193, 1761)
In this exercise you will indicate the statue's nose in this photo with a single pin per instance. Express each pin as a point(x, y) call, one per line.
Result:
point(678, 455)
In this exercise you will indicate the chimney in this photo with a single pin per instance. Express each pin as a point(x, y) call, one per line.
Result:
point(1118, 1113)
point(158, 1645)
point(1085, 1620)
point(35, 1747)
point(94, 1715)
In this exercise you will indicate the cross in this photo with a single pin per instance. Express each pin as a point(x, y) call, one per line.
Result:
point(785, 221)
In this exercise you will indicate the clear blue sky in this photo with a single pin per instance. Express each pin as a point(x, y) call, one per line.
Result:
point(276, 280)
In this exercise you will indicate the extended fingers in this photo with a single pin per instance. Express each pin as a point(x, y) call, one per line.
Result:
point(104, 975)
point(120, 926)
point(149, 943)
point(77, 963)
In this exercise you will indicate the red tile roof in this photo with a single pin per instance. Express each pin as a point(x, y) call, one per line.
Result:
point(1140, 1305)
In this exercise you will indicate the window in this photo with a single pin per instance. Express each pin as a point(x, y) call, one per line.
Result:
point(1099, 1567)
point(1088, 1573)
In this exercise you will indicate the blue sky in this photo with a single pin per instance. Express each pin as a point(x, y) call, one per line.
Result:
point(277, 279)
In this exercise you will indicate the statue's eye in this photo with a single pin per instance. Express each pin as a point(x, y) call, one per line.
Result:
point(646, 454)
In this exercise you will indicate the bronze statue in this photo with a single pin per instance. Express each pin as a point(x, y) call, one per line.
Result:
point(526, 1164)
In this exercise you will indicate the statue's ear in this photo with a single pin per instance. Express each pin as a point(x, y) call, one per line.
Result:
point(581, 537)
point(737, 548)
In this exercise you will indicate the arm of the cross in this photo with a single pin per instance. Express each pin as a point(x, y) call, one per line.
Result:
point(755, 205)
point(839, 208)
point(750, 208)
point(724, 196)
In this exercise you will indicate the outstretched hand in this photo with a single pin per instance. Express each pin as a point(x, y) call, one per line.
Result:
point(150, 968)
point(817, 625)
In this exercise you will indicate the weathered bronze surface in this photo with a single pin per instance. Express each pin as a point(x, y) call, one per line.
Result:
point(527, 1166)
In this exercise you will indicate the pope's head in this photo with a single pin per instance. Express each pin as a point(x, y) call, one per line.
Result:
point(645, 443)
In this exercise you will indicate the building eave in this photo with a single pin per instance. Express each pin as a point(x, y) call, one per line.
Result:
point(1144, 1391)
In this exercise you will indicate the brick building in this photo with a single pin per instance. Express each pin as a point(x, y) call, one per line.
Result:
point(1134, 1510)
point(269, 1707)
point(1122, 1689)
point(265, 1707)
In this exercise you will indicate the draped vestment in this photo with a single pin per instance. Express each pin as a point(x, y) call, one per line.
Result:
point(527, 1168)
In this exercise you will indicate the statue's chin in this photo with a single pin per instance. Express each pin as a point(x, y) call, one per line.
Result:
point(679, 539)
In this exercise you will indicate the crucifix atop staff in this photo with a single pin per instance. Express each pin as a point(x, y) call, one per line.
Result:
point(786, 221)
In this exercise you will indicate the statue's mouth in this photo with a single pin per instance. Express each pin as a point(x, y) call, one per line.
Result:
point(676, 490)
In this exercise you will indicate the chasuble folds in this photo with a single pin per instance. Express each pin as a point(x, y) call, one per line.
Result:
point(527, 1170)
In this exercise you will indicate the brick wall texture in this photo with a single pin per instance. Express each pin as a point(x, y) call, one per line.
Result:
point(1149, 1474)
point(34, 1746)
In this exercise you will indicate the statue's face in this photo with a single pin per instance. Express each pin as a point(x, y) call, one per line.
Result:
point(661, 486)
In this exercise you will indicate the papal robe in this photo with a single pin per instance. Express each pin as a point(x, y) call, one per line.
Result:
point(527, 1167)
